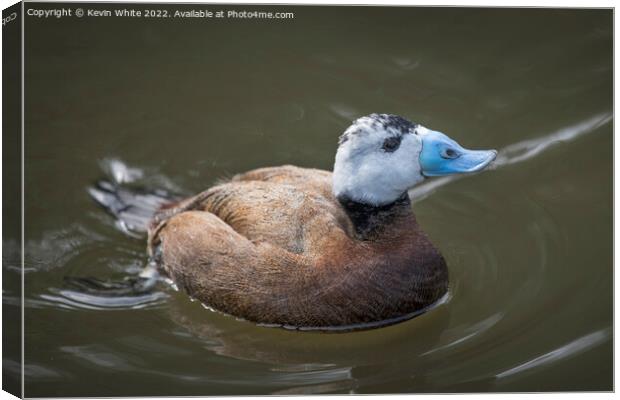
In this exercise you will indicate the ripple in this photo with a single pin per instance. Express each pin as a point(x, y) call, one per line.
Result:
point(100, 356)
point(33, 371)
point(75, 243)
point(39, 372)
point(315, 376)
point(577, 346)
point(469, 332)
point(524, 150)
point(74, 300)
point(499, 262)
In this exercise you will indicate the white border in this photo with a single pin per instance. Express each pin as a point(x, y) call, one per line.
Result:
point(445, 3)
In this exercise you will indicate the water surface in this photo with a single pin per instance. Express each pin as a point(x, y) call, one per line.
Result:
point(183, 103)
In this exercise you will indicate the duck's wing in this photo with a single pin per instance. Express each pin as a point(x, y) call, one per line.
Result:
point(282, 214)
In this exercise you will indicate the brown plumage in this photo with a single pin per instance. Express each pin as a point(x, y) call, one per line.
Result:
point(274, 246)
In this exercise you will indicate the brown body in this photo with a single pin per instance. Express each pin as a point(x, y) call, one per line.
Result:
point(275, 246)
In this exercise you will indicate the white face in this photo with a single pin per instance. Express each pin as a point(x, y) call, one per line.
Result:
point(377, 160)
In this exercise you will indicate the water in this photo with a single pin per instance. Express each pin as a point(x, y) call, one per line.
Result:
point(179, 104)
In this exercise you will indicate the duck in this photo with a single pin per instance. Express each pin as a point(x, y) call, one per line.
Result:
point(309, 249)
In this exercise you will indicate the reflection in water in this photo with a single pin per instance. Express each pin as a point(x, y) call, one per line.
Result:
point(583, 343)
point(292, 351)
point(305, 362)
point(521, 151)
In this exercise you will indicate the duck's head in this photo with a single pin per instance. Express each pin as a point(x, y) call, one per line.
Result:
point(381, 156)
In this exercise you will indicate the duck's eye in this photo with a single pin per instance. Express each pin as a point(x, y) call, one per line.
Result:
point(391, 144)
point(449, 153)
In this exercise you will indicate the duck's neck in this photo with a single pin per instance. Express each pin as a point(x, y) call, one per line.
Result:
point(371, 221)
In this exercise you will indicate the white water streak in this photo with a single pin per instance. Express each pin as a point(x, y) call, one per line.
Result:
point(119, 171)
point(521, 151)
point(574, 347)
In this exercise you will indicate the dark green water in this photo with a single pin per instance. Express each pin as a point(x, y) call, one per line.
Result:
point(528, 243)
